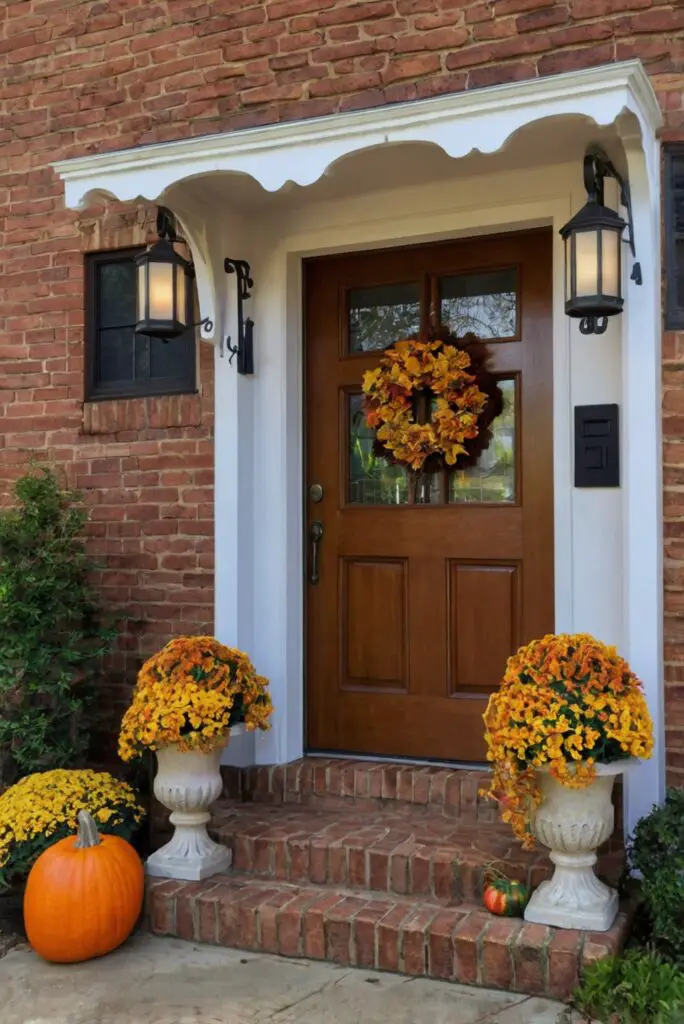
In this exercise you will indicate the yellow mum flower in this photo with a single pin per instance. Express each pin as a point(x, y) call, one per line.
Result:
point(190, 693)
point(46, 804)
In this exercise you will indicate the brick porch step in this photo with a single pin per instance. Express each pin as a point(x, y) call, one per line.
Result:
point(392, 933)
point(334, 782)
point(396, 851)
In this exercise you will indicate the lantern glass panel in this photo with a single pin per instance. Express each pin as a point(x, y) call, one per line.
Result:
point(142, 291)
point(181, 302)
point(610, 263)
point(161, 291)
point(568, 268)
point(586, 263)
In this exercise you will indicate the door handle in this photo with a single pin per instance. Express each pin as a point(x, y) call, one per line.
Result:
point(315, 536)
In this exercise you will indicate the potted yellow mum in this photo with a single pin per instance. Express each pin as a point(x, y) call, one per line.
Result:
point(568, 718)
point(187, 701)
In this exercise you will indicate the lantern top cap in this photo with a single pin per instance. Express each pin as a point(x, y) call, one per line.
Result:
point(593, 215)
point(161, 252)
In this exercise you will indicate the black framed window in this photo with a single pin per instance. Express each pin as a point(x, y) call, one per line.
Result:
point(674, 237)
point(119, 362)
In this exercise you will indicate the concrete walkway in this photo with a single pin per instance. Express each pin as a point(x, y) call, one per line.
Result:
point(165, 981)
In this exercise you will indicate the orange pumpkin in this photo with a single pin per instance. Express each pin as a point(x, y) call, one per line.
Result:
point(83, 895)
point(505, 897)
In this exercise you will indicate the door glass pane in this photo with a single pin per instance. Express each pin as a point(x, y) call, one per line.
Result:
point(371, 480)
point(383, 314)
point(483, 304)
point(492, 480)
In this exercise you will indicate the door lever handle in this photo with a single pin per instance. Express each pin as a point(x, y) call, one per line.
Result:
point(315, 536)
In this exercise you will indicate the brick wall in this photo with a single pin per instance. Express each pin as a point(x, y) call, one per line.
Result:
point(81, 77)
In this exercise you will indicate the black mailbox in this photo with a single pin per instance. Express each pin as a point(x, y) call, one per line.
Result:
point(597, 446)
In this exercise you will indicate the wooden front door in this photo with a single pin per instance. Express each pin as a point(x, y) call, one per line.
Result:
point(417, 605)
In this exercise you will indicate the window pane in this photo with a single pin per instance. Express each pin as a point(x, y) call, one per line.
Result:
point(492, 480)
point(142, 356)
point(115, 357)
point(173, 358)
point(482, 304)
point(117, 293)
point(123, 364)
point(371, 480)
point(382, 315)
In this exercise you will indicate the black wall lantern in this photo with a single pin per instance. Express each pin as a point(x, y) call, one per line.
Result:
point(164, 282)
point(593, 249)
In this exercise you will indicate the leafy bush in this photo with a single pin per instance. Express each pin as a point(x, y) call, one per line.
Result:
point(657, 852)
point(638, 988)
point(51, 637)
point(42, 808)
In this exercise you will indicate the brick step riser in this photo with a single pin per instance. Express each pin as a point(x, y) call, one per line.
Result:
point(429, 874)
point(455, 944)
point(336, 784)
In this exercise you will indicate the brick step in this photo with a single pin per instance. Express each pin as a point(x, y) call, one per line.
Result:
point(335, 782)
point(398, 851)
point(391, 933)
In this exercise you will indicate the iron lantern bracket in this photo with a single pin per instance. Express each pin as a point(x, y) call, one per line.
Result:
point(598, 167)
point(244, 349)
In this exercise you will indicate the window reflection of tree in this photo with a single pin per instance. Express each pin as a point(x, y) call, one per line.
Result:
point(373, 329)
point(487, 316)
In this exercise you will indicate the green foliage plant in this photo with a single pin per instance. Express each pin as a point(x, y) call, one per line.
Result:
point(637, 988)
point(52, 637)
point(656, 851)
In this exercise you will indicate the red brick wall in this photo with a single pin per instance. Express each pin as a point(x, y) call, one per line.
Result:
point(81, 77)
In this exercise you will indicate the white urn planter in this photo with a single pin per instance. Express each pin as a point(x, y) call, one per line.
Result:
point(573, 824)
point(188, 783)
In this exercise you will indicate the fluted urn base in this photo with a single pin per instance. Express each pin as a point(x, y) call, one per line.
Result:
point(573, 824)
point(574, 897)
point(187, 783)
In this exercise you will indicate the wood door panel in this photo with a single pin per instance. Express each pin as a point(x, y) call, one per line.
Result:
point(494, 533)
point(483, 614)
point(406, 725)
point(373, 603)
point(418, 606)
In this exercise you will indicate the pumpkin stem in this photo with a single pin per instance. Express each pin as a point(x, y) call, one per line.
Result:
point(88, 835)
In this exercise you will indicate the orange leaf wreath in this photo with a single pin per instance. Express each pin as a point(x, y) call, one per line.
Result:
point(451, 378)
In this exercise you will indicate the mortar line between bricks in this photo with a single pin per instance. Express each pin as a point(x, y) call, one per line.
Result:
point(510, 945)
point(546, 962)
point(479, 946)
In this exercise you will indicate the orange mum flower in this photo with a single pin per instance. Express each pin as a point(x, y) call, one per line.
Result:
point(190, 693)
point(566, 703)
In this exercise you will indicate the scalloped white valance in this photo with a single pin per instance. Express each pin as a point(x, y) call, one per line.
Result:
point(302, 151)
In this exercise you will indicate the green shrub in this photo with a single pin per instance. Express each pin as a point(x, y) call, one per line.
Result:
point(51, 636)
point(657, 852)
point(638, 988)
